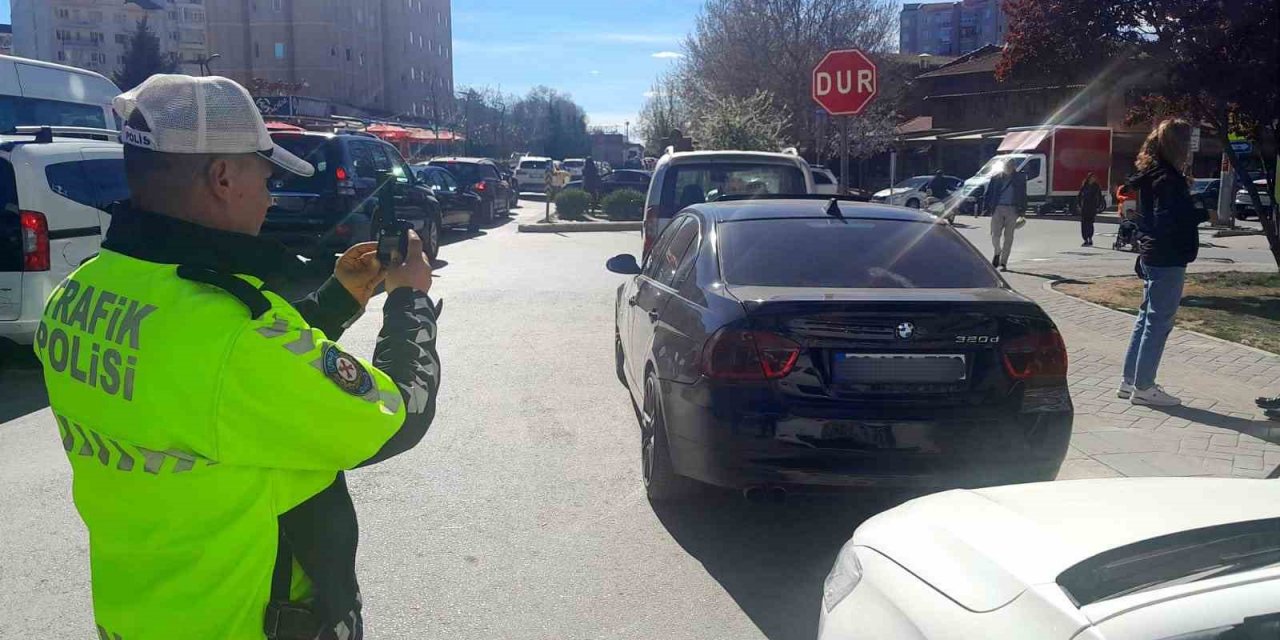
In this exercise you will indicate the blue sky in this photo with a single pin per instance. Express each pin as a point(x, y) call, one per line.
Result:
point(605, 54)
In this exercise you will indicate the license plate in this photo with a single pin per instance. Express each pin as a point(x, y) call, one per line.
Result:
point(898, 368)
point(874, 435)
point(275, 201)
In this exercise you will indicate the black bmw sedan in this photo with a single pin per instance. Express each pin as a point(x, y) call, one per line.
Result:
point(804, 341)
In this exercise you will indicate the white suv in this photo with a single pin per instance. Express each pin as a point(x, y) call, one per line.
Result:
point(574, 167)
point(692, 177)
point(54, 195)
point(531, 173)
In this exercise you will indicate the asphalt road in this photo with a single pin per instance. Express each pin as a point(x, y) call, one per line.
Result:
point(520, 515)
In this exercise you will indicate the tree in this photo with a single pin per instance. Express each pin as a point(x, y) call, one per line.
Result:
point(143, 58)
point(741, 47)
point(543, 121)
point(1210, 60)
point(662, 112)
point(749, 124)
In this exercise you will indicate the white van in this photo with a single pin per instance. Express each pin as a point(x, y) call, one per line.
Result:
point(693, 177)
point(531, 173)
point(45, 94)
point(55, 192)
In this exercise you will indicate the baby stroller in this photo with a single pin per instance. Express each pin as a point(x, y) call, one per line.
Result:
point(1127, 235)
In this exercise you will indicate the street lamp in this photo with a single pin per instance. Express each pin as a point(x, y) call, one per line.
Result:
point(627, 124)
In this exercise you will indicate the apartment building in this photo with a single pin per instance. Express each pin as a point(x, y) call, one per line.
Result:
point(94, 34)
point(6, 39)
point(393, 56)
point(951, 28)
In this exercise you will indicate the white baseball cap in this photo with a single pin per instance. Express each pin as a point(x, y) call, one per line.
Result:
point(212, 114)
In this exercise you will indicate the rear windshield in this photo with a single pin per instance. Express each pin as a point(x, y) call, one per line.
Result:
point(314, 150)
point(855, 254)
point(534, 164)
point(10, 232)
point(464, 172)
point(16, 111)
point(574, 163)
point(821, 178)
point(688, 184)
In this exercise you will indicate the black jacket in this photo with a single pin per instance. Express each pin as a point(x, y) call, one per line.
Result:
point(1017, 182)
point(1090, 199)
point(1167, 216)
point(938, 187)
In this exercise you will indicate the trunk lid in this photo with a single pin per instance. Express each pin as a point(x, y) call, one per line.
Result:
point(921, 352)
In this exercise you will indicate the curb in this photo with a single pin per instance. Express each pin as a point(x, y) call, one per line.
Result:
point(572, 227)
point(1048, 286)
point(1233, 233)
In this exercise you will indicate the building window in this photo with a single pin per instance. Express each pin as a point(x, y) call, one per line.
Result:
point(62, 55)
point(279, 50)
point(121, 38)
point(96, 37)
point(277, 5)
point(64, 14)
point(333, 52)
point(255, 50)
point(410, 37)
point(348, 55)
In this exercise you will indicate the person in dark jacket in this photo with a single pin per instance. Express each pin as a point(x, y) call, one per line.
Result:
point(1167, 219)
point(591, 179)
point(1005, 199)
point(1090, 203)
point(938, 186)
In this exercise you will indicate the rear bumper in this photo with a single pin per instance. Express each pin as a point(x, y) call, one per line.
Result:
point(19, 331)
point(309, 235)
point(738, 449)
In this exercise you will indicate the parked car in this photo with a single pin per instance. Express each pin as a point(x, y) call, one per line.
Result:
point(458, 206)
point(338, 206)
point(753, 369)
point(912, 191)
point(1205, 192)
point(531, 173)
point(39, 93)
point(574, 167)
point(634, 179)
point(1244, 208)
point(1113, 559)
point(691, 177)
point(482, 177)
point(824, 181)
point(55, 193)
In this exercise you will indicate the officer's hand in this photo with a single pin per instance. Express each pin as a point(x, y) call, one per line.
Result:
point(359, 272)
point(414, 272)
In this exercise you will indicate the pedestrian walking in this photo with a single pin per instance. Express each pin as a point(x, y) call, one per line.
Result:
point(1167, 221)
point(1005, 199)
point(1089, 202)
point(937, 188)
point(206, 419)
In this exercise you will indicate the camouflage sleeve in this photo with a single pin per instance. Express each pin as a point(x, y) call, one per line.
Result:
point(330, 308)
point(406, 353)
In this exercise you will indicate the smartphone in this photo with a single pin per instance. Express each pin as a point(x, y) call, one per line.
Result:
point(393, 242)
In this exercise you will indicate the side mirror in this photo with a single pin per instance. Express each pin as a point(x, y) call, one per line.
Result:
point(624, 264)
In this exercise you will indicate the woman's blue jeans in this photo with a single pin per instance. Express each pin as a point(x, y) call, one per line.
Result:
point(1161, 296)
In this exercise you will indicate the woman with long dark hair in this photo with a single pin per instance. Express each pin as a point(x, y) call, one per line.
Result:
point(1167, 221)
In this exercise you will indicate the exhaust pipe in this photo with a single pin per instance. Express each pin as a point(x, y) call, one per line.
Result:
point(754, 493)
point(765, 493)
point(777, 495)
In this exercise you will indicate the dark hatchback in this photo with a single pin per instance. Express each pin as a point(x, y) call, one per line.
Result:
point(338, 205)
point(778, 342)
point(484, 178)
point(633, 179)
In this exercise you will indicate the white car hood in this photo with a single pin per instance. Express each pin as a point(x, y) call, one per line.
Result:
point(896, 191)
point(984, 547)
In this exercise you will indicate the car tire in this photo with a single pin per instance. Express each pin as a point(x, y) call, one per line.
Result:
point(1036, 473)
point(473, 222)
point(661, 482)
point(431, 238)
point(488, 209)
point(913, 204)
point(619, 361)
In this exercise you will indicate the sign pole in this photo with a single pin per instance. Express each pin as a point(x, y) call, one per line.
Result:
point(844, 155)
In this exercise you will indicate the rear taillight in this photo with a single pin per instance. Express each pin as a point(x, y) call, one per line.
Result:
point(481, 186)
point(650, 229)
point(340, 173)
point(342, 231)
point(1038, 355)
point(35, 241)
point(734, 354)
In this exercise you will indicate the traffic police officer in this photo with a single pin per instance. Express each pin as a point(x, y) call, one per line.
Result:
point(206, 419)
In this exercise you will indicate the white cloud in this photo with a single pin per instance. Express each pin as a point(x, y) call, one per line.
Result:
point(595, 72)
point(649, 94)
point(635, 38)
point(668, 55)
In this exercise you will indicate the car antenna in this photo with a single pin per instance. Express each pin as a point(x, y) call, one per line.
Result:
point(833, 209)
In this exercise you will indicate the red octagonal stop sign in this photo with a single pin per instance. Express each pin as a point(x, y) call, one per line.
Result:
point(844, 82)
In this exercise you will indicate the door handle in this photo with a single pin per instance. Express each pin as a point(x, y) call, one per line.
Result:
point(631, 301)
point(653, 315)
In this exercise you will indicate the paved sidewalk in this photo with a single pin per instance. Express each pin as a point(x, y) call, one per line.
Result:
point(1219, 431)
